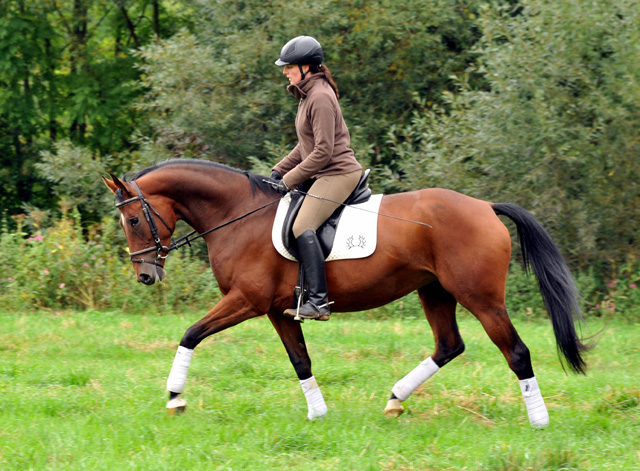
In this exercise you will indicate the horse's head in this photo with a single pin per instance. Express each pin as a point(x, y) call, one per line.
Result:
point(148, 222)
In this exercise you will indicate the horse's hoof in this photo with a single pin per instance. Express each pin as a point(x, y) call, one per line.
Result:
point(176, 406)
point(317, 413)
point(316, 417)
point(394, 408)
point(540, 424)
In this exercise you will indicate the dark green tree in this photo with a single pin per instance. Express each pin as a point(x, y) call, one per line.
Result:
point(67, 73)
point(557, 130)
point(217, 93)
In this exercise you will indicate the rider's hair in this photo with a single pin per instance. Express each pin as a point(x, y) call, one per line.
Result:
point(314, 69)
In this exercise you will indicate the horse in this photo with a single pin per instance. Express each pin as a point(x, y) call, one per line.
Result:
point(450, 248)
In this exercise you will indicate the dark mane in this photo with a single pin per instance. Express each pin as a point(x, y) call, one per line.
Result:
point(255, 180)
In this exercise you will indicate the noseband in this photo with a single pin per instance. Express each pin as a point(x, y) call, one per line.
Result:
point(160, 249)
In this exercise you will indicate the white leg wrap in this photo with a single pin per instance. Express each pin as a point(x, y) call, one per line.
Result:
point(315, 401)
point(405, 387)
point(538, 415)
point(178, 376)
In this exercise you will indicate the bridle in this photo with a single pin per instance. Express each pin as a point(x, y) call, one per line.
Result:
point(148, 212)
point(162, 251)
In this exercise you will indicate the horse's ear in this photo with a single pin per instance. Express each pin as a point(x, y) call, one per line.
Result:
point(115, 184)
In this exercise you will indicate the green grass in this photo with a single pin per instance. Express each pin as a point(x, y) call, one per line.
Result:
point(86, 391)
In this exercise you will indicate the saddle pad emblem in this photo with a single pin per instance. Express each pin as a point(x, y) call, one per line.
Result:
point(356, 234)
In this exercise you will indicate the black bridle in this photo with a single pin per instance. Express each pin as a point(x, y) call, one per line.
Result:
point(162, 251)
point(148, 212)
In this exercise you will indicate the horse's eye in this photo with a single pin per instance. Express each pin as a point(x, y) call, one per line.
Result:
point(134, 222)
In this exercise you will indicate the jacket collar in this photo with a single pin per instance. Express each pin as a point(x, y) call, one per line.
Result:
point(301, 89)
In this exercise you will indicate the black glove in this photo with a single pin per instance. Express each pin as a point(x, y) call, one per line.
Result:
point(275, 175)
point(278, 185)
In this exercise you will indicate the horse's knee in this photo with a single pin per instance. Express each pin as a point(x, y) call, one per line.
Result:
point(446, 351)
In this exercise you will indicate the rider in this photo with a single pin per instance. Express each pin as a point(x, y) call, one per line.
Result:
point(322, 154)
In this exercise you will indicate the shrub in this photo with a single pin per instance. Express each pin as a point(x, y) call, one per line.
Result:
point(61, 268)
point(556, 131)
point(620, 296)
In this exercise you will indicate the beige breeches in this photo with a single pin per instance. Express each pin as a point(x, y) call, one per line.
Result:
point(315, 211)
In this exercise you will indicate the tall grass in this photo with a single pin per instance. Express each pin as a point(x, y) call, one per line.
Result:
point(86, 391)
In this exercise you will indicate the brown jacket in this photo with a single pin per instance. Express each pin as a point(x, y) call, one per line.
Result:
point(323, 138)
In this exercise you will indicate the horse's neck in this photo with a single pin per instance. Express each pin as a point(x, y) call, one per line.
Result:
point(206, 195)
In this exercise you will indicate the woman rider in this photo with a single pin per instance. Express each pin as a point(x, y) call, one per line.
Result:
point(322, 154)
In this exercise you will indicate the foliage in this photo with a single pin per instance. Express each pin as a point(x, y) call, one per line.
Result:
point(66, 70)
point(555, 132)
point(216, 93)
point(534, 102)
point(621, 297)
point(75, 175)
point(63, 267)
point(60, 269)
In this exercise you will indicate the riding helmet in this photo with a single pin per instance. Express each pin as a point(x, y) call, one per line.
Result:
point(301, 50)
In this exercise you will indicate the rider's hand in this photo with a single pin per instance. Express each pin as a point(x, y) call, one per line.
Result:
point(277, 184)
point(275, 175)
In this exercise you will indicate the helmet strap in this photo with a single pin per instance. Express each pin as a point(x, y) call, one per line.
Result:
point(303, 74)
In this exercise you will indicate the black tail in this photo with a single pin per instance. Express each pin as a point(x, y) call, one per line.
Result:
point(557, 287)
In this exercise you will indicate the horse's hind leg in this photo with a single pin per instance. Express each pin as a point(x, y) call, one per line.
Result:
point(498, 326)
point(440, 309)
point(290, 333)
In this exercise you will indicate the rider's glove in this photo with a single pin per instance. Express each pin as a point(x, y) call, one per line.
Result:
point(277, 184)
point(275, 175)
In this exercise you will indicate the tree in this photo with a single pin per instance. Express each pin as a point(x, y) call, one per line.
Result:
point(66, 70)
point(556, 131)
point(25, 37)
point(217, 93)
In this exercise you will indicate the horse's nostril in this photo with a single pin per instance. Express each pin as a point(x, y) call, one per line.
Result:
point(146, 279)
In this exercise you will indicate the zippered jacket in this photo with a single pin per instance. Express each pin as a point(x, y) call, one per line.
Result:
point(323, 137)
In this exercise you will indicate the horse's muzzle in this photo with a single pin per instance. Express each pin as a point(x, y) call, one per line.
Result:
point(150, 274)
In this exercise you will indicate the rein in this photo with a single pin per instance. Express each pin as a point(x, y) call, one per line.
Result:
point(160, 249)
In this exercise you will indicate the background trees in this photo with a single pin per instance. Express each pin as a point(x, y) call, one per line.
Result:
point(556, 130)
point(67, 73)
point(534, 102)
point(216, 92)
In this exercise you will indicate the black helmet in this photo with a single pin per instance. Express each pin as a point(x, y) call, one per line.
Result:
point(301, 50)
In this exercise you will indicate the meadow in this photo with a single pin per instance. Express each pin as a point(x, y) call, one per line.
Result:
point(87, 391)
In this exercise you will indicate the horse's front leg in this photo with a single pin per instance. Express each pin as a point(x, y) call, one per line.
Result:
point(231, 310)
point(290, 333)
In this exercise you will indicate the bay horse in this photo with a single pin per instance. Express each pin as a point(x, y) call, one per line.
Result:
point(458, 252)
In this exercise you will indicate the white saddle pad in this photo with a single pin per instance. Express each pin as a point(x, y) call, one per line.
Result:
point(356, 234)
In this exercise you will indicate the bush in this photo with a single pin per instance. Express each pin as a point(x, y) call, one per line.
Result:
point(60, 268)
point(555, 132)
point(620, 296)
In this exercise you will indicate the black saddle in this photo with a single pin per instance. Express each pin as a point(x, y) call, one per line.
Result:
point(327, 232)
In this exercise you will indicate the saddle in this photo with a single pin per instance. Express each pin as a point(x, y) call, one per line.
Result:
point(327, 231)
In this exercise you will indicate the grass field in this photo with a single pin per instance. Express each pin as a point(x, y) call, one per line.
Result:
point(87, 391)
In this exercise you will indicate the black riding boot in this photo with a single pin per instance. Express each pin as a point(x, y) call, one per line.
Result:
point(312, 259)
